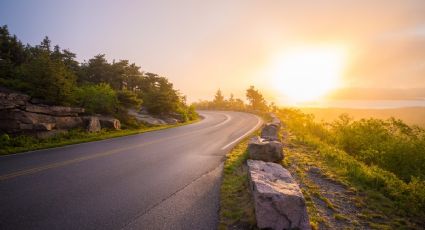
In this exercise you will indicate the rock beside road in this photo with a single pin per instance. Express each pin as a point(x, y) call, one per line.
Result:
point(265, 150)
point(149, 119)
point(92, 124)
point(270, 132)
point(21, 114)
point(278, 201)
point(275, 120)
point(110, 123)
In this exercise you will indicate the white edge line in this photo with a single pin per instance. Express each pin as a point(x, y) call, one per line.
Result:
point(244, 135)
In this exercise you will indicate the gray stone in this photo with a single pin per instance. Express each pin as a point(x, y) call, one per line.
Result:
point(265, 150)
point(19, 115)
point(145, 118)
point(93, 124)
point(54, 110)
point(270, 132)
point(170, 120)
point(278, 201)
point(69, 122)
point(110, 123)
point(275, 120)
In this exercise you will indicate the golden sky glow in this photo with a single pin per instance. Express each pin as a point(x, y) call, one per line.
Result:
point(308, 73)
point(290, 50)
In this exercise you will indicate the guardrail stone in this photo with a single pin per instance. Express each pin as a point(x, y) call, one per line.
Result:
point(279, 202)
point(265, 150)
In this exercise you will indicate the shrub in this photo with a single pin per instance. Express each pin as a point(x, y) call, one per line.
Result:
point(386, 156)
point(99, 98)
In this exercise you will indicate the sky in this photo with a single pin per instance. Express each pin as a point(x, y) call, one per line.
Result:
point(202, 46)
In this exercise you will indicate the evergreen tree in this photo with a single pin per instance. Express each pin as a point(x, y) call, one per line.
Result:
point(218, 101)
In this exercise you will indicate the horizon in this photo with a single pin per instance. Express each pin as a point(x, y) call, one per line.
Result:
point(375, 50)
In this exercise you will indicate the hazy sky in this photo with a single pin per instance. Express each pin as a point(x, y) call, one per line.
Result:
point(202, 46)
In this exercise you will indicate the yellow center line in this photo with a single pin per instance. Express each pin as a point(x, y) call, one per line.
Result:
point(85, 158)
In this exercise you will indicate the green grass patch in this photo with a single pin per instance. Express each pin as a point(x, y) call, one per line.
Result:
point(385, 195)
point(11, 145)
point(236, 205)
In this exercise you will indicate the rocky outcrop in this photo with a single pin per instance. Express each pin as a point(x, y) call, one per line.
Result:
point(265, 150)
point(146, 118)
point(278, 201)
point(21, 114)
point(271, 132)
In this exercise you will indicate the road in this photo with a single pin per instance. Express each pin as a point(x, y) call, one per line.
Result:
point(167, 179)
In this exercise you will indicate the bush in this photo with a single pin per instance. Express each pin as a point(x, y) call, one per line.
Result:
point(99, 98)
point(386, 156)
point(4, 139)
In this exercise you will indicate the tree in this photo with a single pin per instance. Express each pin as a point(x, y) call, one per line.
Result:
point(218, 101)
point(95, 71)
point(256, 99)
point(45, 45)
point(158, 94)
point(48, 79)
point(128, 99)
point(12, 53)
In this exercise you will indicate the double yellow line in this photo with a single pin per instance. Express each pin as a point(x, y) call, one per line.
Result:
point(80, 159)
point(68, 162)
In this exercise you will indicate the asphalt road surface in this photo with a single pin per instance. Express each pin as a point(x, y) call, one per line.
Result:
point(167, 179)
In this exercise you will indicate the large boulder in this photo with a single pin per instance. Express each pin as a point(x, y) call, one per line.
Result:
point(92, 124)
point(69, 122)
point(110, 123)
point(270, 132)
point(265, 150)
point(278, 201)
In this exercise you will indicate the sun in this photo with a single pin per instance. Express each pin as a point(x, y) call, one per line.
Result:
point(307, 73)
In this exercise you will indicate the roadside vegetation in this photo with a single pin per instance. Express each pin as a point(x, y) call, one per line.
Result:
point(54, 76)
point(236, 204)
point(366, 173)
point(10, 145)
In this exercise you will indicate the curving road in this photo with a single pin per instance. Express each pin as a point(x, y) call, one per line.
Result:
point(167, 179)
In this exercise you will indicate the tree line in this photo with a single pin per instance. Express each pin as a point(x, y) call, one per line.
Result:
point(55, 76)
point(256, 102)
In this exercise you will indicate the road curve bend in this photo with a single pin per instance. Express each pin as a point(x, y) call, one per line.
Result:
point(166, 179)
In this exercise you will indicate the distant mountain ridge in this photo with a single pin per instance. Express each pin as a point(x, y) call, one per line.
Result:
point(410, 115)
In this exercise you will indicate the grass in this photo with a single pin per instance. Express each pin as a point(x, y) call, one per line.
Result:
point(26, 143)
point(236, 205)
point(366, 196)
point(369, 186)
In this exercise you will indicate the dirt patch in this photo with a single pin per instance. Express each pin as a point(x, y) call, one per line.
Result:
point(331, 204)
